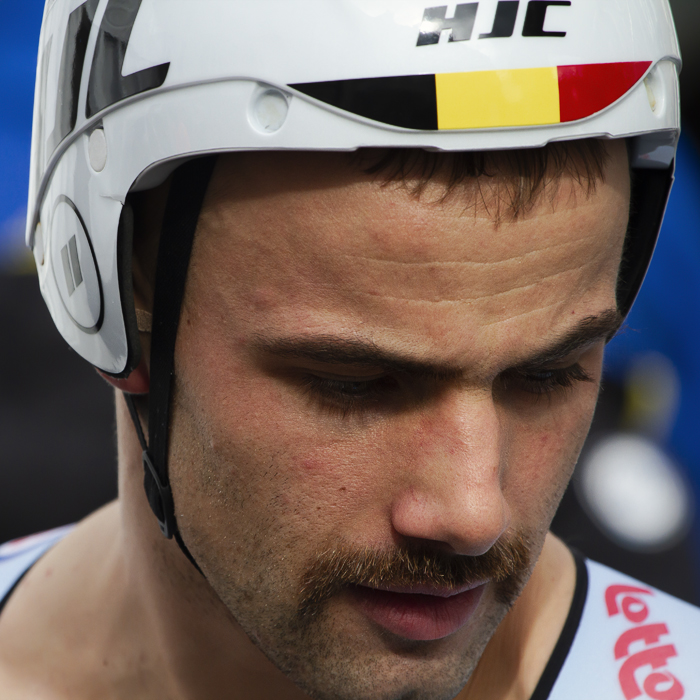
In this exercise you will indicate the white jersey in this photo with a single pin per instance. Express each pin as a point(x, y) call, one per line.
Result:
point(622, 640)
point(630, 641)
point(18, 556)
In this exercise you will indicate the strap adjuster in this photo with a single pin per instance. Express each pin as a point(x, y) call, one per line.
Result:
point(164, 495)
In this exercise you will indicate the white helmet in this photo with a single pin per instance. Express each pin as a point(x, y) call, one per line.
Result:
point(128, 90)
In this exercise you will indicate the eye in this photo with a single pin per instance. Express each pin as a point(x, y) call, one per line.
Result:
point(546, 381)
point(349, 395)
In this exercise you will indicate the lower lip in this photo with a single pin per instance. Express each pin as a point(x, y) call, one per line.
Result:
point(416, 616)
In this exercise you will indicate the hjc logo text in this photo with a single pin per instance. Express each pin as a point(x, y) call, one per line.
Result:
point(461, 26)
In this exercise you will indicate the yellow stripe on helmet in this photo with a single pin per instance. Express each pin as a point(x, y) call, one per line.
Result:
point(488, 99)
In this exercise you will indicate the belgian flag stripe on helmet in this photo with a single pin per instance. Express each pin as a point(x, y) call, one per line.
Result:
point(585, 90)
point(409, 101)
point(482, 99)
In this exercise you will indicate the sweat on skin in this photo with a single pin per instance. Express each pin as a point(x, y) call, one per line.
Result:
point(357, 368)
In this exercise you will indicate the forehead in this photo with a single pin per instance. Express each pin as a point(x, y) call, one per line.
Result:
point(311, 241)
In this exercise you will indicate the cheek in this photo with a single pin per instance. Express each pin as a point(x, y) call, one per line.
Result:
point(543, 453)
point(261, 458)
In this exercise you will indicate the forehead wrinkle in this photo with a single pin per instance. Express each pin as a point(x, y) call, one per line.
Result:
point(490, 295)
point(526, 312)
point(446, 263)
point(419, 248)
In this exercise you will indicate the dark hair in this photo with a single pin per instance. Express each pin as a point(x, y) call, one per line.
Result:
point(523, 175)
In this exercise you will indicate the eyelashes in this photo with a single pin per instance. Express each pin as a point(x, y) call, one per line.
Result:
point(350, 396)
point(546, 381)
point(347, 396)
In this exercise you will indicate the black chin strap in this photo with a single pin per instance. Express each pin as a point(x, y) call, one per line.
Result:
point(187, 191)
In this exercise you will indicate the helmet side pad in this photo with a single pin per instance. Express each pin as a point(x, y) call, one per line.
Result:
point(125, 248)
point(650, 191)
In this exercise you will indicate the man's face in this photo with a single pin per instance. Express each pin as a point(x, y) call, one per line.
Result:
point(374, 390)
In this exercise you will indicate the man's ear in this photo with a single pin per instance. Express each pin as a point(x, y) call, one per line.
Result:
point(138, 382)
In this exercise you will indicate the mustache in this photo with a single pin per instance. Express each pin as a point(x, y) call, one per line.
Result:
point(341, 567)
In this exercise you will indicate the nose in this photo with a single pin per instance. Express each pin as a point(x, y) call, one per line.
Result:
point(450, 489)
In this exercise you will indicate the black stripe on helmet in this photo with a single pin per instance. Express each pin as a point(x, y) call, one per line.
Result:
point(408, 101)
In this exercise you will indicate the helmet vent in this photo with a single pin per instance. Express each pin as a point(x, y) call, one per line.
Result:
point(269, 110)
point(97, 150)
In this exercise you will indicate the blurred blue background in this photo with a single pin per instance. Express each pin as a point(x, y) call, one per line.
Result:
point(666, 317)
point(56, 425)
point(18, 50)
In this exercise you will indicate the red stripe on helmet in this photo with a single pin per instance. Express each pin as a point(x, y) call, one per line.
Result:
point(585, 90)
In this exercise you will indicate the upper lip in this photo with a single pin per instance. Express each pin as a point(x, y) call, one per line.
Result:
point(437, 591)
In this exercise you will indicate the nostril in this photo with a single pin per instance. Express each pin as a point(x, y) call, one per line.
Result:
point(463, 521)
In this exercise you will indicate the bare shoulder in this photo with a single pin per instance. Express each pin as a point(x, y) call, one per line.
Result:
point(49, 621)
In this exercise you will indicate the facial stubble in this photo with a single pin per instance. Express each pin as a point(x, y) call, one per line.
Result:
point(327, 663)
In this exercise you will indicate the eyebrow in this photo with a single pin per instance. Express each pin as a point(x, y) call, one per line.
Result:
point(360, 353)
point(586, 332)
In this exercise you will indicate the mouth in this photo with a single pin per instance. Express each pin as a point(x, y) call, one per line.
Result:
point(419, 613)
